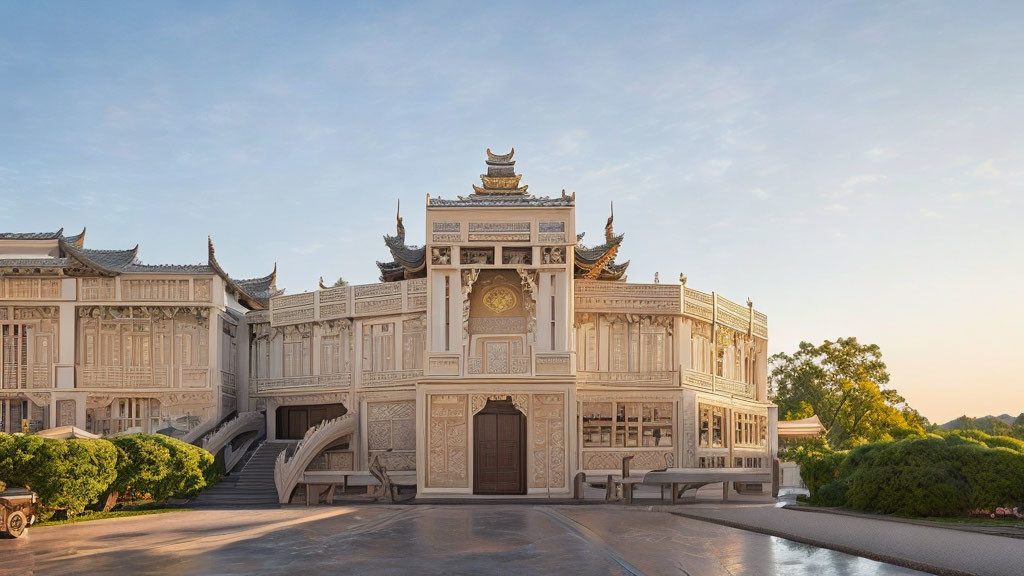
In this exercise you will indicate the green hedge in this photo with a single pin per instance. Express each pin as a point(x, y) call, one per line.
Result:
point(936, 476)
point(72, 474)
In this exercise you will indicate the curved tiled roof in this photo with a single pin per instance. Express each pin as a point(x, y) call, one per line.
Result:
point(108, 261)
point(262, 288)
point(253, 292)
point(32, 235)
point(598, 262)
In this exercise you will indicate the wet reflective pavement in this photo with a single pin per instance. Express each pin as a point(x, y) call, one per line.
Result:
point(453, 539)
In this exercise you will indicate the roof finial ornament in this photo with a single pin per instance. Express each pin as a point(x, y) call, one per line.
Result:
point(609, 230)
point(501, 157)
point(750, 303)
point(656, 280)
point(399, 227)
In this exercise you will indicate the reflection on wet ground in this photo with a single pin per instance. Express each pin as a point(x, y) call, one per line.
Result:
point(462, 539)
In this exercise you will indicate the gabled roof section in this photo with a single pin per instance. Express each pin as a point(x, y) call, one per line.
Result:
point(77, 239)
point(409, 261)
point(501, 189)
point(106, 262)
point(254, 293)
point(598, 262)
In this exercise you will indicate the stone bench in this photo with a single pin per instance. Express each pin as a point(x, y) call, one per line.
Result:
point(693, 478)
point(330, 480)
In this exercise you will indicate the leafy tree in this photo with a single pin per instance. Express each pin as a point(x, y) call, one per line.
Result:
point(339, 282)
point(846, 384)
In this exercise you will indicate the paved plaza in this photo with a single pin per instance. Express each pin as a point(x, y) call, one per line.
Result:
point(422, 539)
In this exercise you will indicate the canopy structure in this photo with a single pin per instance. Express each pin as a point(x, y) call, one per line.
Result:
point(66, 433)
point(806, 428)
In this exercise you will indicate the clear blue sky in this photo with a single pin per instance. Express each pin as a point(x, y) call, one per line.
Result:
point(856, 169)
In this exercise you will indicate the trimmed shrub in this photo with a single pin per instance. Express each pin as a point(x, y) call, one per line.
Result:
point(933, 476)
point(833, 494)
point(143, 464)
point(909, 491)
point(192, 468)
point(72, 474)
point(820, 469)
point(995, 475)
point(68, 475)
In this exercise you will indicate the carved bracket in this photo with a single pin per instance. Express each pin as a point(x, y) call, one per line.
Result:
point(520, 401)
point(529, 281)
point(468, 278)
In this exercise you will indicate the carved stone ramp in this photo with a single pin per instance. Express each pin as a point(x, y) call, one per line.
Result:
point(251, 487)
point(252, 423)
point(288, 471)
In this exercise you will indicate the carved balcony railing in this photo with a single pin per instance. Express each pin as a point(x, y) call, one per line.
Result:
point(389, 378)
point(661, 378)
point(222, 437)
point(123, 376)
point(696, 379)
point(289, 471)
point(322, 382)
point(729, 386)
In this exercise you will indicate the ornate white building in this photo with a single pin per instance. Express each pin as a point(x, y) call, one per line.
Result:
point(504, 356)
point(501, 357)
point(98, 340)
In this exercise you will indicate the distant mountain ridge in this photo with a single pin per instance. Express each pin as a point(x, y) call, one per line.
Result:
point(980, 423)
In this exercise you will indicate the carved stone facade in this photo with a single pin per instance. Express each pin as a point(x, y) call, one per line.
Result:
point(111, 345)
point(503, 300)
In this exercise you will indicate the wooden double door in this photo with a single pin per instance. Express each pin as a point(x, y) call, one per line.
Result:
point(293, 421)
point(499, 449)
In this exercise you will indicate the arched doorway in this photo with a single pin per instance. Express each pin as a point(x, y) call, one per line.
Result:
point(499, 449)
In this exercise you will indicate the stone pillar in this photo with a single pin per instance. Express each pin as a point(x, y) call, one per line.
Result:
point(271, 419)
point(242, 366)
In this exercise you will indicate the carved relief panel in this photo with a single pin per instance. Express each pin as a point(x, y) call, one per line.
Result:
point(547, 418)
point(97, 289)
point(65, 413)
point(29, 288)
point(172, 290)
point(447, 440)
point(391, 433)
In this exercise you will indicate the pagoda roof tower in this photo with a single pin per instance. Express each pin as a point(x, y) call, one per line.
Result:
point(501, 189)
point(598, 262)
point(409, 261)
point(501, 177)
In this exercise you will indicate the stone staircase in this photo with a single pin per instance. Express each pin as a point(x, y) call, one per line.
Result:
point(251, 486)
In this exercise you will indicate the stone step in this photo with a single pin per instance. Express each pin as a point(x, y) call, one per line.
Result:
point(253, 485)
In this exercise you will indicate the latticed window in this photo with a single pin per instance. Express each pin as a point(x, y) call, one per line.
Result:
point(712, 426)
point(297, 354)
point(750, 430)
point(378, 347)
point(627, 424)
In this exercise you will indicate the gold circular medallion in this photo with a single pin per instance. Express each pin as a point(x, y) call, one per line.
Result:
point(500, 299)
